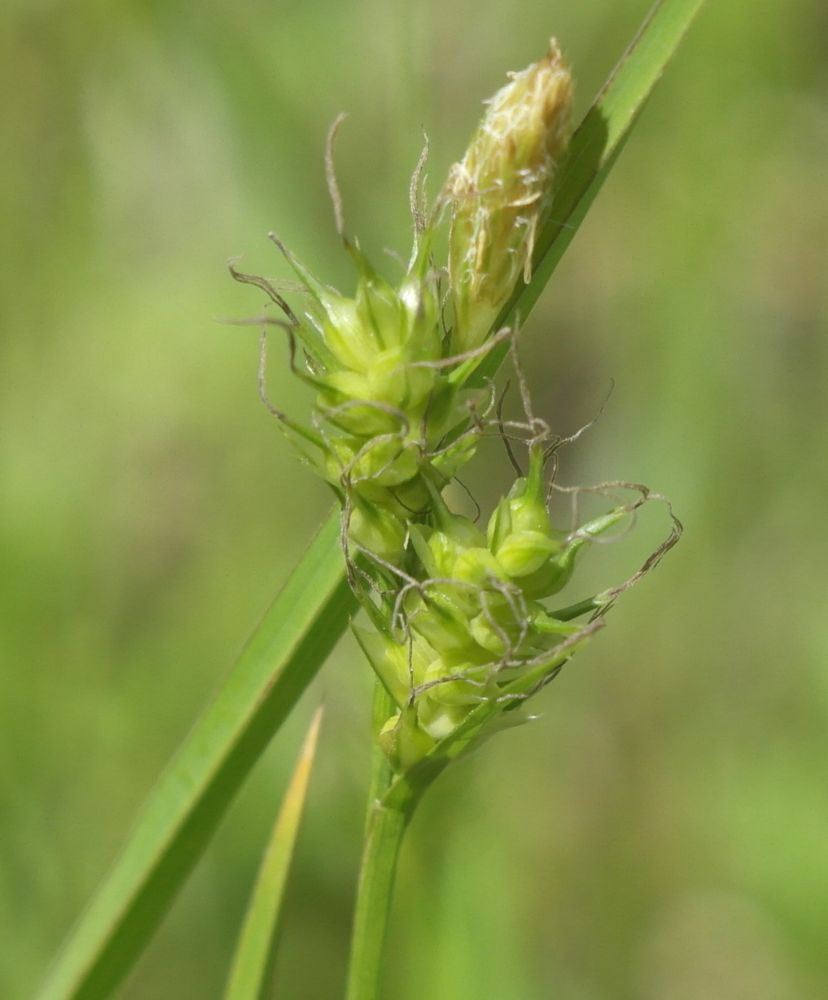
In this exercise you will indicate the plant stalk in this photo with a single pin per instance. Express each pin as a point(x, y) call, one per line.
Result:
point(384, 833)
point(384, 828)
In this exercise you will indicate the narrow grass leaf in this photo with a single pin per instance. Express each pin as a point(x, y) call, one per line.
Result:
point(280, 659)
point(594, 148)
point(252, 964)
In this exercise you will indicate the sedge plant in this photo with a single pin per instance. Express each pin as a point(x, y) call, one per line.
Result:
point(460, 620)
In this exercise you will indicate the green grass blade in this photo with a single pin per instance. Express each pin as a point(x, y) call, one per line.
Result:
point(307, 618)
point(281, 658)
point(594, 149)
point(253, 961)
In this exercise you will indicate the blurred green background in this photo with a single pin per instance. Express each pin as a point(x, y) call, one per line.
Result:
point(662, 830)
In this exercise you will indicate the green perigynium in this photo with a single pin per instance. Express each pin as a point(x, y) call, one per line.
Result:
point(385, 399)
point(472, 623)
point(460, 633)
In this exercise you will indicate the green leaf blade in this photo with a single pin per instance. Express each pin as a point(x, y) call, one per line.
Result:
point(253, 960)
point(594, 149)
point(281, 658)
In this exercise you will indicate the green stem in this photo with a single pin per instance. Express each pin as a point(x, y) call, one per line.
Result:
point(384, 828)
point(383, 836)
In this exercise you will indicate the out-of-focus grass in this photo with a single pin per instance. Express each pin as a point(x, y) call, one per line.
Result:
point(660, 832)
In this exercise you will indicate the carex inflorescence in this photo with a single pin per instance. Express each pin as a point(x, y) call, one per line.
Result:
point(459, 631)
